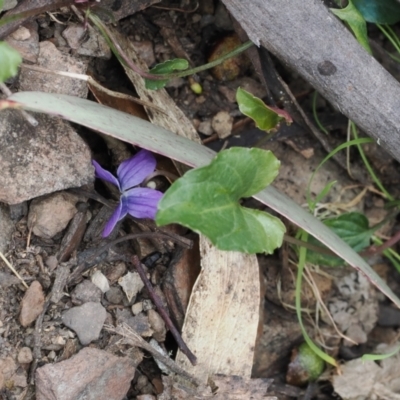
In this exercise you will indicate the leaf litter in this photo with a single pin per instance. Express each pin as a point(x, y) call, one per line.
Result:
point(35, 261)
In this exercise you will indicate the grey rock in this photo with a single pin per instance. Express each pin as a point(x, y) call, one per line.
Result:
point(86, 320)
point(91, 374)
point(40, 160)
point(115, 295)
point(51, 58)
point(85, 292)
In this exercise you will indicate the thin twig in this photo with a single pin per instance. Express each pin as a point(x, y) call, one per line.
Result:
point(181, 344)
point(13, 269)
point(136, 340)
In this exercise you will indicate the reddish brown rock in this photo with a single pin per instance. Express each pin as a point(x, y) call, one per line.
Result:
point(31, 304)
point(92, 374)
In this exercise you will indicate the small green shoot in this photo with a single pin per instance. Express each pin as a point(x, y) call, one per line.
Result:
point(380, 357)
point(166, 68)
point(315, 114)
point(9, 61)
point(207, 200)
point(356, 22)
point(265, 117)
point(379, 11)
point(302, 262)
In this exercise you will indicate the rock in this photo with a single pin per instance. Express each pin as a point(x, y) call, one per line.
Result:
point(205, 127)
point(99, 279)
point(85, 292)
point(86, 41)
point(51, 58)
point(222, 124)
point(137, 308)
point(7, 370)
point(6, 228)
point(139, 323)
point(26, 41)
point(91, 374)
point(86, 320)
point(25, 355)
point(157, 324)
point(49, 215)
point(40, 160)
point(9, 4)
point(115, 295)
point(115, 271)
point(31, 304)
point(132, 284)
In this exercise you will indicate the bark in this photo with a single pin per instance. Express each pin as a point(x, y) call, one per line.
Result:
point(309, 39)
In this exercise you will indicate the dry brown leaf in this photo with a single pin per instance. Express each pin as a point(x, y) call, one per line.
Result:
point(222, 318)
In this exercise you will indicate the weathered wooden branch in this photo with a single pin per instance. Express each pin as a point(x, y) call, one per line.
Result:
point(309, 39)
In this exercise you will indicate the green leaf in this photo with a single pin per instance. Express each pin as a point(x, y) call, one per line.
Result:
point(207, 200)
point(1, 5)
point(351, 227)
point(9, 61)
point(153, 138)
point(379, 11)
point(356, 22)
point(311, 362)
point(265, 117)
point(167, 67)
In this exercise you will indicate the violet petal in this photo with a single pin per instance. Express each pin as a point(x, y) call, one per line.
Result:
point(105, 175)
point(142, 202)
point(119, 213)
point(133, 171)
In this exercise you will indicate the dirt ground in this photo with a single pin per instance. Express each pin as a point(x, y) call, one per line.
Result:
point(76, 319)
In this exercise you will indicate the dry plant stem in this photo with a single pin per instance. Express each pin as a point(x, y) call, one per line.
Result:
point(31, 120)
point(94, 83)
point(14, 271)
point(136, 340)
point(160, 77)
point(317, 294)
point(181, 344)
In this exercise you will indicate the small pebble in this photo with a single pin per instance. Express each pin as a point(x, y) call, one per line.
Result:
point(157, 324)
point(25, 355)
point(115, 295)
point(137, 308)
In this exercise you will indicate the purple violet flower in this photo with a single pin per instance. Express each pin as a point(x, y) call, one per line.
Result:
point(136, 201)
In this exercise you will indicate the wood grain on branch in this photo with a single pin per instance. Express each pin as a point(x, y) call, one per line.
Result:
point(309, 39)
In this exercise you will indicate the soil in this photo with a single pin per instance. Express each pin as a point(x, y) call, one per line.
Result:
point(194, 31)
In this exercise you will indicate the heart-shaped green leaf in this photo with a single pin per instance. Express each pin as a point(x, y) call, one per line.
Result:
point(207, 200)
point(9, 61)
point(265, 117)
point(353, 228)
point(356, 22)
point(379, 11)
point(167, 67)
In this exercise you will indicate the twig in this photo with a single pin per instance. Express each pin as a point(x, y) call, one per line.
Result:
point(13, 269)
point(136, 340)
point(181, 344)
